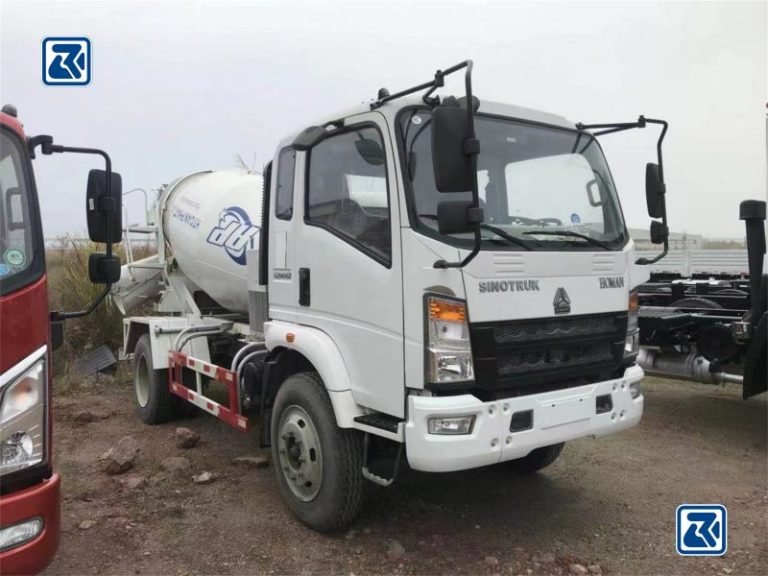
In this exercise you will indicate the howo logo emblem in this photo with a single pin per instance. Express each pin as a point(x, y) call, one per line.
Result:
point(562, 302)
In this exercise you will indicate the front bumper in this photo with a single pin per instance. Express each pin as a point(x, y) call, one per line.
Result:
point(558, 416)
point(41, 500)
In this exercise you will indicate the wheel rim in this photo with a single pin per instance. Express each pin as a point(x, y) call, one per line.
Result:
point(141, 381)
point(301, 459)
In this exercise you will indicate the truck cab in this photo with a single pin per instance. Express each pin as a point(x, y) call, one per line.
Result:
point(29, 332)
point(447, 281)
point(529, 345)
point(29, 488)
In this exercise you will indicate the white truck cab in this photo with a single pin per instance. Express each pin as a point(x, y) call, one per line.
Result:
point(444, 282)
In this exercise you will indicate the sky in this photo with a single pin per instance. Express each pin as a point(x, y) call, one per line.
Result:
point(185, 86)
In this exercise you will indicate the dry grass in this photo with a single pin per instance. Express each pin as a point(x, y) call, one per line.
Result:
point(70, 289)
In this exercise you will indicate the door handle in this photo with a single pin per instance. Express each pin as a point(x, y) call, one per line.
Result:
point(304, 287)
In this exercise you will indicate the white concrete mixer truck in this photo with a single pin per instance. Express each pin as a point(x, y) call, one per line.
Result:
point(445, 280)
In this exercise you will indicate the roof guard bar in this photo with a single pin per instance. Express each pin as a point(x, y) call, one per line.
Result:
point(437, 82)
point(642, 121)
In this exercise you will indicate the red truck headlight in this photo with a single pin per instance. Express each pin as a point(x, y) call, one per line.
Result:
point(23, 393)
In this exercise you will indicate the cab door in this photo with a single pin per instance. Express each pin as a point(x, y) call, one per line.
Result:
point(348, 260)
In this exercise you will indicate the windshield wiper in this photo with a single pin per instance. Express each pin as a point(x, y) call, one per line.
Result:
point(498, 231)
point(507, 237)
point(589, 239)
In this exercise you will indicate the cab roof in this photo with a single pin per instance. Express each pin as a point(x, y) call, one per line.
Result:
point(13, 124)
point(390, 110)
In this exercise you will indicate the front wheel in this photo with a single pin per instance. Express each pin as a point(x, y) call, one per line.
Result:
point(537, 459)
point(318, 465)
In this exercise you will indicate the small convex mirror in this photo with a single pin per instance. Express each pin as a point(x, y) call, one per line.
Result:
point(659, 232)
point(103, 269)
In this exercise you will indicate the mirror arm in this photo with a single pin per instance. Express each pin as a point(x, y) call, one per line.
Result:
point(48, 147)
point(442, 264)
point(437, 82)
point(659, 256)
point(642, 121)
point(59, 316)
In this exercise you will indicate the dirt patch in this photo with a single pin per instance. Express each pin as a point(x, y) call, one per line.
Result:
point(606, 504)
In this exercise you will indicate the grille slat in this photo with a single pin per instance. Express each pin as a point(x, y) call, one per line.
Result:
point(557, 357)
point(528, 330)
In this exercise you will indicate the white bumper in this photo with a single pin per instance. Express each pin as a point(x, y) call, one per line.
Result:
point(558, 416)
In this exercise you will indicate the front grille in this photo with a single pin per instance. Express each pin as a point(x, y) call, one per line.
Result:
point(514, 363)
point(520, 357)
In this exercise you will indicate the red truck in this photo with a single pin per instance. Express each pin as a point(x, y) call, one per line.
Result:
point(29, 488)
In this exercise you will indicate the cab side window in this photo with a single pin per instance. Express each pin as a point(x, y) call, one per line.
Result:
point(347, 191)
point(285, 169)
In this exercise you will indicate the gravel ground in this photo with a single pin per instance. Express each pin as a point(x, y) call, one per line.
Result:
point(606, 505)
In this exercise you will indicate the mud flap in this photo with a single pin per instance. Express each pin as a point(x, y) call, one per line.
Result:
point(755, 371)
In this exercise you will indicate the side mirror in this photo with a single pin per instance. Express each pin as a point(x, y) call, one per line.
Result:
point(458, 216)
point(659, 232)
point(654, 190)
point(103, 269)
point(104, 211)
point(451, 163)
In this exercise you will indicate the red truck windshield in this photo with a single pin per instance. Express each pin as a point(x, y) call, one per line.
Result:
point(20, 238)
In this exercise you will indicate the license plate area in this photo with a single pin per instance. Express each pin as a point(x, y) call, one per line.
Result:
point(564, 411)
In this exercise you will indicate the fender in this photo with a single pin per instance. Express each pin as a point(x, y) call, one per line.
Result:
point(322, 352)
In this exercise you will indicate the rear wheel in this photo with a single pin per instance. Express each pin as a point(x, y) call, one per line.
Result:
point(318, 465)
point(154, 402)
point(537, 459)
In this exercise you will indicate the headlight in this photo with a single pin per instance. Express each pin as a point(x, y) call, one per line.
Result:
point(632, 342)
point(449, 355)
point(22, 419)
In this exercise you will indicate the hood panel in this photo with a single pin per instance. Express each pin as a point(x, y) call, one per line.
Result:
point(505, 286)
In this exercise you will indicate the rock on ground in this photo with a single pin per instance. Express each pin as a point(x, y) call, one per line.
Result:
point(204, 478)
point(121, 456)
point(595, 569)
point(577, 569)
point(545, 558)
point(255, 461)
point(186, 438)
point(175, 463)
point(86, 524)
point(133, 481)
point(85, 417)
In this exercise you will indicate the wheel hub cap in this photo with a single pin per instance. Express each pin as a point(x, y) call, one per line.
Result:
point(299, 453)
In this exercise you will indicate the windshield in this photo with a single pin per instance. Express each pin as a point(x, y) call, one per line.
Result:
point(17, 238)
point(547, 186)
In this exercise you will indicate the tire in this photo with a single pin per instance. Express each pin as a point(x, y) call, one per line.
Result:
point(537, 460)
point(154, 402)
point(318, 465)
